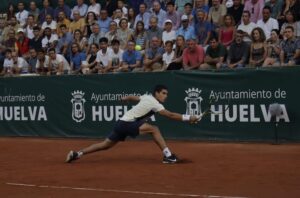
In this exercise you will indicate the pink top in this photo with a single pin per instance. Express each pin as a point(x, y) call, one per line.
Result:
point(226, 36)
point(193, 58)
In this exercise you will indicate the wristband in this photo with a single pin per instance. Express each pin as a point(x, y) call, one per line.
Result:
point(186, 117)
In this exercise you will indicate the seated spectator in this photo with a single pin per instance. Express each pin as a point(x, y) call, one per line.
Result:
point(276, 6)
point(176, 63)
point(193, 55)
point(143, 16)
point(10, 42)
point(159, 13)
point(200, 5)
point(32, 60)
point(236, 11)
point(173, 15)
point(186, 30)
point(80, 40)
point(8, 64)
point(247, 26)
point(122, 7)
point(168, 34)
point(36, 41)
point(47, 10)
point(81, 7)
point(42, 63)
point(153, 56)
point(34, 11)
point(290, 5)
point(117, 16)
point(78, 23)
point(124, 34)
point(290, 21)
point(96, 35)
point(104, 21)
point(180, 5)
point(102, 57)
point(215, 55)
point(216, 14)
point(290, 48)
point(12, 25)
point(90, 63)
point(22, 43)
point(115, 56)
point(90, 19)
point(131, 18)
point(62, 7)
point(203, 28)
point(62, 20)
point(226, 32)
point(11, 12)
point(273, 50)
point(49, 23)
point(258, 48)
point(22, 15)
point(50, 39)
point(112, 33)
point(238, 52)
point(64, 42)
point(154, 30)
point(29, 27)
point(168, 56)
point(94, 7)
point(77, 57)
point(140, 36)
point(58, 65)
point(20, 66)
point(254, 7)
point(267, 23)
point(131, 60)
point(188, 11)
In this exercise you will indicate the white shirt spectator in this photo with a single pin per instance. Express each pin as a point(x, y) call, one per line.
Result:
point(168, 57)
point(22, 63)
point(44, 64)
point(168, 36)
point(46, 41)
point(268, 26)
point(247, 28)
point(82, 10)
point(22, 17)
point(29, 32)
point(52, 25)
point(95, 8)
point(103, 58)
point(8, 63)
point(60, 59)
point(116, 58)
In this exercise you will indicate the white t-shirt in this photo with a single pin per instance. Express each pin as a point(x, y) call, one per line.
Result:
point(59, 59)
point(148, 105)
point(29, 32)
point(8, 63)
point(52, 25)
point(268, 26)
point(104, 58)
point(116, 58)
point(22, 17)
point(45, 40)
point(96, 9)
point(42, 65)
point(168, 36)
point(247, 28)
point(167, 58)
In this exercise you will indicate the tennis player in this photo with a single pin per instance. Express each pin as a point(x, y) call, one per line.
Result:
point(134, 123)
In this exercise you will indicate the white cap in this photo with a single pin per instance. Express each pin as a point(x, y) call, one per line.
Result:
point(168, 21)
point(20, 30)
point(184, 17)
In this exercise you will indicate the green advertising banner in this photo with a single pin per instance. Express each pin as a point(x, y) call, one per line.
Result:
point(88, 106)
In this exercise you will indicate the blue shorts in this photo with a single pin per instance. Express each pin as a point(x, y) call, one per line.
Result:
point(122, 129)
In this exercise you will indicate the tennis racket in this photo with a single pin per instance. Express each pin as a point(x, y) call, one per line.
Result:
point(209, 111)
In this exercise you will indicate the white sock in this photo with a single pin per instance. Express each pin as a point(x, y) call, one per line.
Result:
point(80, 153)
point(167, 152)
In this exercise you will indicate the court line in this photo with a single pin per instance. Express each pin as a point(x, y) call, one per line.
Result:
point(119, 191)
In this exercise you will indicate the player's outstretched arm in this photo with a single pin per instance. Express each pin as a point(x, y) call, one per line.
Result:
point(131, 98)
point(178, 117)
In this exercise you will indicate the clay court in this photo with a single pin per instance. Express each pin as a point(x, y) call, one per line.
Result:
point(35, 168)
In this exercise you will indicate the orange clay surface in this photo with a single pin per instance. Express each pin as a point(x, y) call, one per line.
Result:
point(35, 168)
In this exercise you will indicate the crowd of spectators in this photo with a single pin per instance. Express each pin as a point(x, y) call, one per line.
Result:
point(147, 36)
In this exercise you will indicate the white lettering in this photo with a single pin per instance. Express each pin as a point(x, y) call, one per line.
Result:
point(243, 113)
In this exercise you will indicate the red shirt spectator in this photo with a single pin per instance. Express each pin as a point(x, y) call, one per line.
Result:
point(22, 43)
point(193, 55)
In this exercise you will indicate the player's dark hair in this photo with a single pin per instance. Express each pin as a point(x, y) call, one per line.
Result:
point(158, 88)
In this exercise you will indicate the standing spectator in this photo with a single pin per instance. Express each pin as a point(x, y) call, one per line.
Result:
point(168, 34)
point(102, 57)
point(290, 21)
point(236, 11)
point(140, 36)
point(154, 30)
point(58, 65)
point(247, 26)
point(22, 15)
point(290, 48)
point(62, 20)
point(32, 60)
point(78, 23)
point(81, 7)
point(216, 14)
point(115, 56)
point(258, 50)
point(273, 50)
point(215, 55)
point(153, 56)
point(50, 23)
point(22, 43)
point(36, 41)
point(238, 52)
point(168, 55)
point(173, 15)
point(131, 18)
point(255, 8)
point(34, 11)
point(227, 32)
point(193, 55)
point(131, 60)
point(124, 34)
point(268, 23)
point(176, 63)
point(61, 7)
point(104, 21)
point(77, 57)
point(47, 10)
point(202, 28)
point(143, 16)
point(94, 7)
point(50, 39)
point(159, 13)
point(90, 19)
point(180, 4)
point(186, 30)
point(112, 33)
